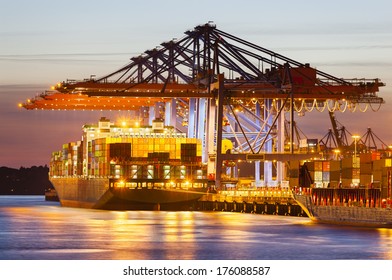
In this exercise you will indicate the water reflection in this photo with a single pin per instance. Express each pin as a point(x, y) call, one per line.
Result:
point(35, 230)
point(385, 242)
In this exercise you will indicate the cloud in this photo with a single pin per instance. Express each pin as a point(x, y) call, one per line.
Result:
point(317, 29)
point(336, 48)
point(341, 63)
point(64, 58)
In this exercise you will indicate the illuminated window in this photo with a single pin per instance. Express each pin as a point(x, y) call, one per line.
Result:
point(166, 171)
point(150, 172)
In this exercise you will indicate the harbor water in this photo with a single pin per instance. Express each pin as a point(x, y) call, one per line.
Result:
point(32, 228)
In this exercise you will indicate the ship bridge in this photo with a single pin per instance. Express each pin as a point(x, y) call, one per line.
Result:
point(214, 86)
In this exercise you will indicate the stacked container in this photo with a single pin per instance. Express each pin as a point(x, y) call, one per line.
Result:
point(326, 173)
point(188, 152)
point(350, 171)
point(145, 157)
point(139, 154)
point(335, 173)
point(382, 173)
point(56, 164)
point(366, 169)
point(68, 161)
point(293, 175)
point(319, 171)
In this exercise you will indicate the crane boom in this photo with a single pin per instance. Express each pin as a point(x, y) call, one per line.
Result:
point(335, 130)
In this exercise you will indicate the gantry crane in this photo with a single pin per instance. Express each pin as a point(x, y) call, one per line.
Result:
point(337, 141)
point(215, 76)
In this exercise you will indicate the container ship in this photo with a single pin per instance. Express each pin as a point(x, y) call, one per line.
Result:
point(117, 166)
point(353, 191)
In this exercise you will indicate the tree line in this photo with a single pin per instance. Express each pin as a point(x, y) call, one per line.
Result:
point(24, 181)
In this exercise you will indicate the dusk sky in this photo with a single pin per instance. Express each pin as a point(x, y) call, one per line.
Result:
point(44, 42)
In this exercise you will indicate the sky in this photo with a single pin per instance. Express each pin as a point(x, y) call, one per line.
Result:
point(44, 42)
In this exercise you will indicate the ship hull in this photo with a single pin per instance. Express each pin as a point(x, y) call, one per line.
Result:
point(346, 215)
point(97, 194)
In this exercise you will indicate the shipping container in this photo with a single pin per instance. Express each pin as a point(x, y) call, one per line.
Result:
point(334, 175)
point(335, 165)
point(376, 156)
point(318, 176)
point(351, 162)
point(366, 179)
point(326, 176)
point(350, 173)
point(366, 168)
point(366, 157)
point(326, 166)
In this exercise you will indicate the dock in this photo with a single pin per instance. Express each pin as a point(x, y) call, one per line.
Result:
point(270, 201)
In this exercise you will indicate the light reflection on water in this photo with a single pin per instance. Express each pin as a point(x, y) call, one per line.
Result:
point(385, 240)
point(34, 229)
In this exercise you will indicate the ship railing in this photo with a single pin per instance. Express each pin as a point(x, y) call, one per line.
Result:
point(301, 191)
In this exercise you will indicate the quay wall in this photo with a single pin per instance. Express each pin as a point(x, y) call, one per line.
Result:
point(250, 202)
